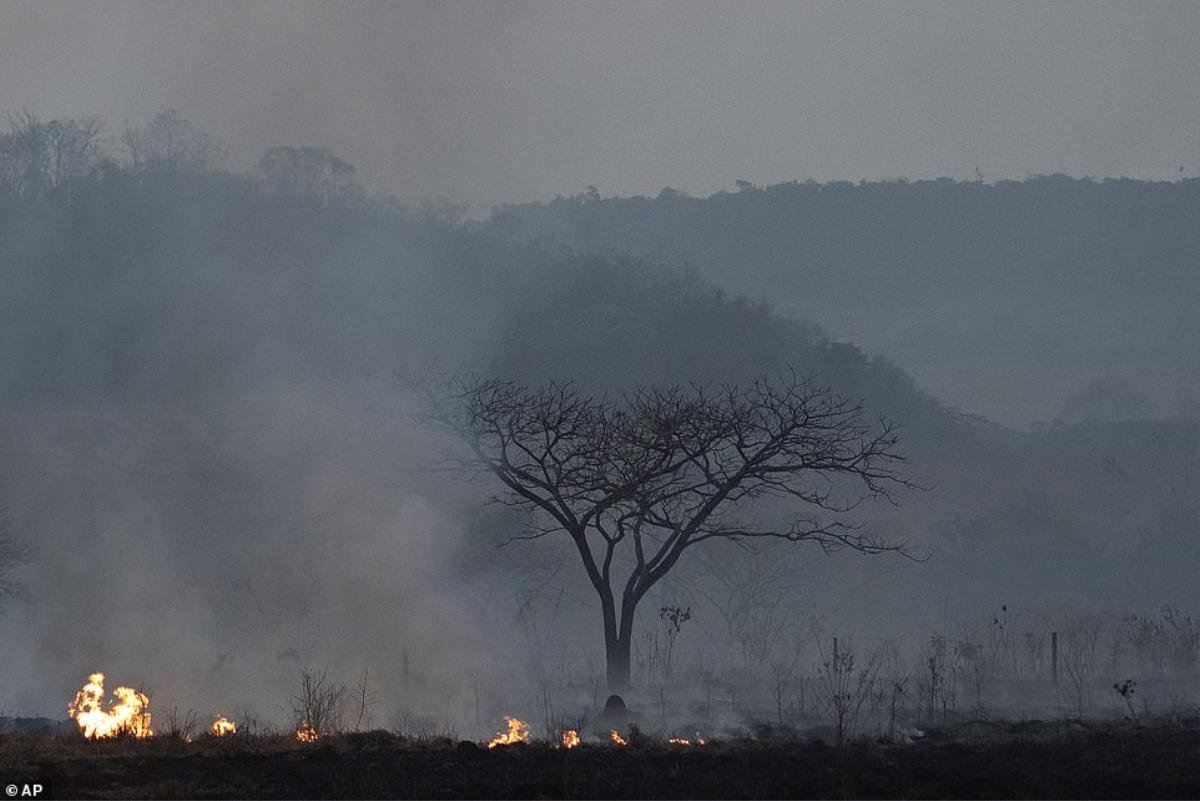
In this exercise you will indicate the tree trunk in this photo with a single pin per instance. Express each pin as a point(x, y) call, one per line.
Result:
point(617, 640)
point(616, 651)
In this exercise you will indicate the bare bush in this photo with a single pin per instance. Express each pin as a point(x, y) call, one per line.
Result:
point(782, 675)
point(1080, 635)
point(936, 690)
point(249, 723)
point(846, 689)
point(1167, 644)
point(317, 704)
point(896, 694)
point(410, 723)
point(365, 701)
point(181, 726)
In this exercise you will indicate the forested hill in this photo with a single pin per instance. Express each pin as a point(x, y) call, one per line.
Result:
point(1054, 283)
point(176, 285)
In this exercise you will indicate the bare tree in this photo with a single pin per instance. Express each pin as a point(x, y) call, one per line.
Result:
point(76, 149)
point(24, 156)
point(311, 172)
point(441, 211)
point(37, 157)
point(637, 483)
point(171, 142)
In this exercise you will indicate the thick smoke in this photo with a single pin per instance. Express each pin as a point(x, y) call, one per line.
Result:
point(207, 442)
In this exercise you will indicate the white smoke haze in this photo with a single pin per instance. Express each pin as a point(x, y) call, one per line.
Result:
point(207, 441)
point(490, 104)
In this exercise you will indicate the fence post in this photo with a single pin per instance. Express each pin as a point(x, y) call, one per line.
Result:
point(1054, 657)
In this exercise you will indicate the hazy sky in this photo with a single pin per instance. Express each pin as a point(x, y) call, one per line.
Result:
point(488, 102)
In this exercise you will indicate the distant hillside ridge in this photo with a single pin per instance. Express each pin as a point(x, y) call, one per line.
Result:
point(1009, 298)
point(1045, 230)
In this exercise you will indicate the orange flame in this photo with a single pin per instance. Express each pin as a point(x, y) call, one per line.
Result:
point(570, 738)
point(130, 713)
point(616, 738)
point(306, 734)
point(518, 732)
point(679, 741)
point(222, 726)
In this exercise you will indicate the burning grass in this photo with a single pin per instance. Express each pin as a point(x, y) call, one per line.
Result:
point(222, 727)
point(306, 734)
point(518, 732)
point(128, 715)
point(114, 755)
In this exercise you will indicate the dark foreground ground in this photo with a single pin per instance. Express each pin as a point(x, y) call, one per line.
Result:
point(1059, 760)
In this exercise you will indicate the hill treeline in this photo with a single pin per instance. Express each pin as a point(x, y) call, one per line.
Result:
point(827, 240)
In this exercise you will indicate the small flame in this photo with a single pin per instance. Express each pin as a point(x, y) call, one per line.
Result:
point(128, 715)
point(616, 738)
point(222, 726)
point(570, 738)
point(306, 734)
point(679, 741)
point(518, 732)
